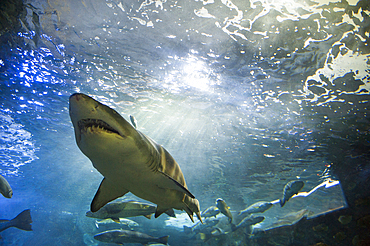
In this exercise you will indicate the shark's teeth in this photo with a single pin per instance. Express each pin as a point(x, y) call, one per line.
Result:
point(96, 123)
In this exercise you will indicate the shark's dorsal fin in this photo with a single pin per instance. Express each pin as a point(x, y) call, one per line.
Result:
point(167, 182)
point(106, 193)
point(133, 121)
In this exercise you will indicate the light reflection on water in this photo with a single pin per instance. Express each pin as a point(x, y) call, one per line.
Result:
point(16, 146)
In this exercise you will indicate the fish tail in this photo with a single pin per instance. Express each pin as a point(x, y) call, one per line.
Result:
point(282, 202)
point(23, 221)
point(163, 240)
point(230, 218)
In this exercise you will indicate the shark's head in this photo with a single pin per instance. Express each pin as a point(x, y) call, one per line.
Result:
point(93, 120)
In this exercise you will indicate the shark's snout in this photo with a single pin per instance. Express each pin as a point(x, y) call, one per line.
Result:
point(76, 96)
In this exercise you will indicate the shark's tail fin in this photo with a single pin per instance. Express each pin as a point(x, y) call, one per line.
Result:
point(163, 240)
point(23, 221)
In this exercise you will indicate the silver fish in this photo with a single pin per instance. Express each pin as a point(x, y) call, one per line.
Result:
point(258, 207)
point(125, 236)
point(121, 221)
point(5, 188)
point(248, 221)
point(210, 212)
point(222, 206)
point(119, 209)
point(290, 189)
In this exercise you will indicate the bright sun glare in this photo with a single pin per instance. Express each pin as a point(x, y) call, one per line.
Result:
point(193, 73)
point(196, 74)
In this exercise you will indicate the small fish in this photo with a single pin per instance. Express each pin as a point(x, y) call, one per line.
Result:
point(119, 209)
point(201, 226)
point(258, 207)
point(221, 205)
point(210, 212)
point(133, 121)
point(345, 219)
point(121, 221)
point(22, 221)
point(248, 221)
point(5, 188)
point(125, 236)
point(290, 189)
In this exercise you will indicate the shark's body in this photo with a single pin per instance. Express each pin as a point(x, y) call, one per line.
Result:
point(129, 160)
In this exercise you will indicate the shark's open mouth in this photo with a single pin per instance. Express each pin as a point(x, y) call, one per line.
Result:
point(87, 123)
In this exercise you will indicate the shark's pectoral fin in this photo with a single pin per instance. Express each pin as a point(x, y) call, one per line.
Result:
point(107, 192)
point(148, 216)
point(166, 182)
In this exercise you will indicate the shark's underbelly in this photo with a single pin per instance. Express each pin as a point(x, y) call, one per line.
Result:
point(140, 180)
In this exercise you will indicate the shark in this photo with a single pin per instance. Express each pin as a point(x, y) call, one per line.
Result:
point(129, 160)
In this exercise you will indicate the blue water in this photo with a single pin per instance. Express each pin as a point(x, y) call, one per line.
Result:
point(245, 95)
